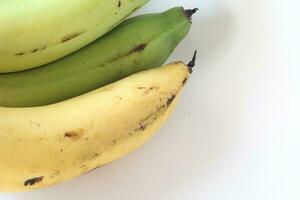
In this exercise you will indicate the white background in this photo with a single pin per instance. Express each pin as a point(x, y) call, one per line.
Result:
point(235, 133)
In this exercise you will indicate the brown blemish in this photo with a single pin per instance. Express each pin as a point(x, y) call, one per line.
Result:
point(74, 135)
point(143, 127)
point(137, 49)
point(184, 81)
point(34, 50)
point(156, 88)
point(170, 100)
point(147, 90)
point(38, 49)
point(157, 113)
point(33, 181)
point(41, 49)
point(119, 4)
point(115, 141)
point(71, 36)
point(20, 54)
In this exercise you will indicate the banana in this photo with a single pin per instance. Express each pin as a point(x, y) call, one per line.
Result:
point(137, 44)
point(42, 146)
point(35, 32)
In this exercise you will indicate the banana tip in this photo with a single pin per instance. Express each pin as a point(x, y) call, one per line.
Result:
point(190, 12)
point(192, 63)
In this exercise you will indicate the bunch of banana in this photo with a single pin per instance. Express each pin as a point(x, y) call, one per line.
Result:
point(75, 114)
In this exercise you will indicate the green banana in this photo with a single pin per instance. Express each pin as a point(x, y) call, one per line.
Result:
point(137, 44)
point(36, 32)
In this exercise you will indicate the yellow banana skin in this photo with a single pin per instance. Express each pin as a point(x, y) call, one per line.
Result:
point(37, 32)
point(46, 145)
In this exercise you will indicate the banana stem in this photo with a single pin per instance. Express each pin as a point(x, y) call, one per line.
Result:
point(190, 12)
point(193, 62)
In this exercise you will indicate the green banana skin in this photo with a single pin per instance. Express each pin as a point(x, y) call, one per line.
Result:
point(137, 44)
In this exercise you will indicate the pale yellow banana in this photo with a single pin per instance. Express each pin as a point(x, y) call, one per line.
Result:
point(46, 145)
point(36, 32)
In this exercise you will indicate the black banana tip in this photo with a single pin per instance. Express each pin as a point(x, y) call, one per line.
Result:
point(193, 62)
point(190, 12)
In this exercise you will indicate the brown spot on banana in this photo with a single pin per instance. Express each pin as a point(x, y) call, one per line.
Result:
point(149, 89)
point(33, 181)
point(143, 127)
point(20, 54)
point(74, 135)
point(34, 50)
point(136, 49)
point(97, 154)
point(150, 119)
point(184, 81)
point(155, 88)
point(170, 100)
point(71, 36)
point(38, 49)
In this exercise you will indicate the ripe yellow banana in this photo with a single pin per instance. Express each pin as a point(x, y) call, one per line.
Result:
point(35, 32)
point(42, 146)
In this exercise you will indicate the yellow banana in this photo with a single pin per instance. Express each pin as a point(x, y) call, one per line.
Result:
point(46, 145)
point(35, 32)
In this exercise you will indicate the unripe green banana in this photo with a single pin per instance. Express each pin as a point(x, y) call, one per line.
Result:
point(138, 44)
point(36, 32)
